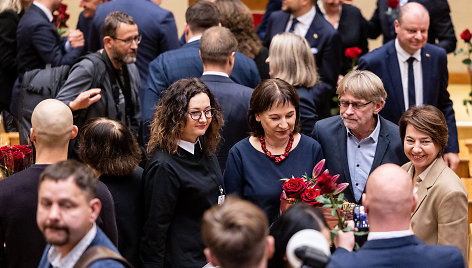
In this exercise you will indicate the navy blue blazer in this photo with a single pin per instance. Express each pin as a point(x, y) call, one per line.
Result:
point(322, 38)
point(440, 24)
point(234, 100)
point(100, 239)
point(155, 24)
point(402, 252)
point(39, 43)
point(185, 62)
point(383, 62)
point(332, 135)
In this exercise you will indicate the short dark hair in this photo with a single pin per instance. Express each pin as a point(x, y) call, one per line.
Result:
point(83, 176)
point(201, 16)
point(109, 147)
point(113, 20)
point(235, 232)
point(171, 116)
point(268, 93)
point(216, 45)
point(427, 119)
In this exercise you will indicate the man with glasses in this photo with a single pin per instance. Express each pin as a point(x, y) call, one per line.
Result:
point(113, 80)
point(359, 140)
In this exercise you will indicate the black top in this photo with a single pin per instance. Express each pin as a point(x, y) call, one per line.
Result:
point(8, 24)
point(262, 65)
point(127, 195)
point(178, 188)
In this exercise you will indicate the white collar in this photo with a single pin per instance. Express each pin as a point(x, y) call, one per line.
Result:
point(44, 9)
point(215, 73)
point(68, 261)
point(195, 38)
point(403, 55)
point(388, 235)
point(189, 146)
point(306, 18)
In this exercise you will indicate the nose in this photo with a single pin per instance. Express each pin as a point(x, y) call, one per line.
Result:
point(349, 109)
point(283, 123)
point(418, 35)
point(417, 147)
point(54, 212)
point(203, 118)
point(134, 44)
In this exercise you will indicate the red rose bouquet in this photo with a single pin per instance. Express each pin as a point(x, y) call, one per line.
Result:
point(353, 53)
point(466, 36)
point(14, 159)
point(60, 18)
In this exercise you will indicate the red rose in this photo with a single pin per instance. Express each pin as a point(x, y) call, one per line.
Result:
point(294, 187)
point(310, 195)
point(353, 52)
point(466, 36)
point(393, 3)
point(327, 182)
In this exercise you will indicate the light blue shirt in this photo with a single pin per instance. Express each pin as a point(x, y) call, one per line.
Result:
point(360, 156)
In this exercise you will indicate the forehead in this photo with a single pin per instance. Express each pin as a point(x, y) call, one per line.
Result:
point(348, 96)
point(60, 190)
point(411, 131)
point(280, 107)
point(417, 20)
point(199, 100)
point(125, 29)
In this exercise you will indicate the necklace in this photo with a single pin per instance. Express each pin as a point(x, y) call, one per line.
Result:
point(281, 158)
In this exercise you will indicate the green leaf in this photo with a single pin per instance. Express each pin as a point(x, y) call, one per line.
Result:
point(327, 206)
point(323, 200)
point(361, 233)
point(341, 196)
point(333, 212)
point(458, 51)
point(467, 61)
point(348, 229)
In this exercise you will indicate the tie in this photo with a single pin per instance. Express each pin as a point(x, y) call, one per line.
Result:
point(292, 28)
point(411, 83)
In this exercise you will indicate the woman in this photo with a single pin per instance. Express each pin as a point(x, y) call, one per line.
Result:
point(349, 22)
point(182, 177)
point(290, 59)
point(298, 217)
point(440, 217)
point(274, 150)
point(112, 151)
point(237, 17)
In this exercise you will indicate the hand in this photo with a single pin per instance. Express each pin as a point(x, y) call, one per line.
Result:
point(452, 160)
point(76, 38)
point(85, 99)
point(345, 240)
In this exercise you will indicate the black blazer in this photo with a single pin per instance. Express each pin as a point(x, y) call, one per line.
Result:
point(8, 24)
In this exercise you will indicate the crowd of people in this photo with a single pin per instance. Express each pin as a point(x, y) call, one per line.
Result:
point(157, 151)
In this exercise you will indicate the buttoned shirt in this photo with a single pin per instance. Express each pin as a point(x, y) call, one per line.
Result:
point(388, 235)
point(304, 22)
point(403, 57)
point(420, 177)
point(360, 156)
point(68, 261)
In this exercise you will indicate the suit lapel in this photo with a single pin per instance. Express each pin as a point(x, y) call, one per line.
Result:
point(426, 66)
point(342, 149)
point(382, 145)
point(395, 87)
point(314, 31)
point(429, 181)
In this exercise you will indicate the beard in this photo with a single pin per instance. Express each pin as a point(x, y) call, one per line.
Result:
point(124, 57)
point(56, 241)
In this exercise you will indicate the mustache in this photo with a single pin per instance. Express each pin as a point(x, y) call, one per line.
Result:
point(56, 226)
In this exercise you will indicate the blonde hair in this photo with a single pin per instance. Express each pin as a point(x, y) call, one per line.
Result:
point(291, 60)
point(362, 85)
point(15, 5)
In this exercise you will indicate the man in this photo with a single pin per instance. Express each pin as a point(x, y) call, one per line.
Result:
point(114, 79)
point(414, 73)
point(441, 30)
point(86, 17)
point(301, 18)
point(52, 128)
point(359, 140)
point(217, 50)
point(236, 234)
point(389, 202)
point(185, 62)
point(67, 210)
point(156, 25)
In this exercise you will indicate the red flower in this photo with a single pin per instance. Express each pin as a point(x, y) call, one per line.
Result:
point(327, 182)
point(466, 36)
point(310, 195)
point(353, 52)
point(294, 187)
point(393, 3)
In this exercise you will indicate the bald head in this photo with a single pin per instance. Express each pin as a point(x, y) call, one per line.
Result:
point(52, 123)
point(389, 198)
point(413, 9)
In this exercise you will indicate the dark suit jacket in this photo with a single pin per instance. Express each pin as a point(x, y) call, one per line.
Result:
point(40, 44)
point(331, 134)
point(325, 43)
point(155, 24)
point(8, 24)
point(383, 62)
point(234, 100)
point(100, 239)
point(440, 24)
point(402, 252)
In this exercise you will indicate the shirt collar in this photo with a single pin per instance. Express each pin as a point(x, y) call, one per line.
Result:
point(44, 9)
point(374, 135)
point(215, 73)
point(306, 18)
point(195, 38)
point(387, 235)
point(189, 146)
point(68, 261)
point(423, 174)
point(403, 55)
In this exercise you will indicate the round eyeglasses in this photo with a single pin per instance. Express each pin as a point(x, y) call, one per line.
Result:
point(196, 115)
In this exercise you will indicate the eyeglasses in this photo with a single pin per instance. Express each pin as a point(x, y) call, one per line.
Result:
point(355, 105)
point(196, 115)
point(128, 41)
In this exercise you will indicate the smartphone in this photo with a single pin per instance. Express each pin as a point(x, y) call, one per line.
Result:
point(360, 218)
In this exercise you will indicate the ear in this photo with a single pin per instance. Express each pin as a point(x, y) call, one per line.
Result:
point(378, 106)
point(258, 118)
point(200, 53)
point(270, 247)
point(74, 132)
point(397, 26)
point(231, 59)
point(95, 206)
point(186, 32)
point(107, 41)
point(32, 135)
point(210, 258)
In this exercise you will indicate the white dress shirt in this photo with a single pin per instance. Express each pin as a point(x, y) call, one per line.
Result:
point(388, 235)
point(403, 57)
point(304, 22)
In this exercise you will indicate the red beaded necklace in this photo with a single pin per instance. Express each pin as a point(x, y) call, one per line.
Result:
point(281, 158)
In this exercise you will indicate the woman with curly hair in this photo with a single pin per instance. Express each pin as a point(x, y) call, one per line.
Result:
point(237, 17)
point(182, 177)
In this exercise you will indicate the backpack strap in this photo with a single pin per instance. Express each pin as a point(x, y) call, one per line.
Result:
point(97, 253)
